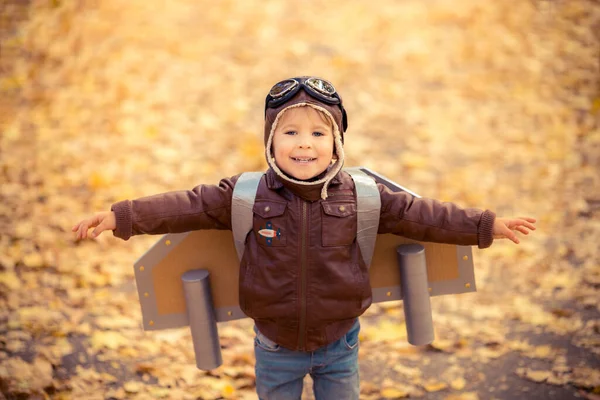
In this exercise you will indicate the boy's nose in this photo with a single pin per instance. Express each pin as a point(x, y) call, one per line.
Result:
point(304, 144)
point(304, 141)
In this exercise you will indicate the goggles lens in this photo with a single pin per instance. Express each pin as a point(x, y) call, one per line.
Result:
point(321, 86)
point(282, 88)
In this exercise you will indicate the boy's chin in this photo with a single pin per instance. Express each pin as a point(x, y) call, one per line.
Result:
point(303, 176)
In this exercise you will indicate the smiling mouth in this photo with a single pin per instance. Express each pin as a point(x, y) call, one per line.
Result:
point(303, 159)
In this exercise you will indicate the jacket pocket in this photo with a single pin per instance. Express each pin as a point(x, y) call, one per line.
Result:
point(270, 225)
point(338, 223)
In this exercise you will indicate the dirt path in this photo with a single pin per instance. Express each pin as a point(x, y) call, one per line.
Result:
point(492, 104)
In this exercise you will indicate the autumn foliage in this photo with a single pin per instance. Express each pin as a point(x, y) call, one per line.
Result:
point(487, 104)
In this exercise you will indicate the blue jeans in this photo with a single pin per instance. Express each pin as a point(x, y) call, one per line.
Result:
point(334, 369)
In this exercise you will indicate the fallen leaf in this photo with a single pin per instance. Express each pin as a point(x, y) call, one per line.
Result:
point(463, 396)
point(458, 383)
point(534, 375)
point(108, 340)
point(393, 393)
point(434, 386)
point(10, 280)
point(19, 376)
point(542, 351)
point(132, 387)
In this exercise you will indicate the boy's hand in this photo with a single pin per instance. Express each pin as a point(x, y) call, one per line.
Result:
point(503, 227)
point(103, 221)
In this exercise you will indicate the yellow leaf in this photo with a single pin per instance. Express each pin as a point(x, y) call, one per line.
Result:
point(116, 322)
point(108, 339)
point(24, 229)
point(10, 280)
point(39, 315)
point(159, 393)
point(596, 105)
point(227, 391)
point(18, 375)
point(538, 376)
point(458, 383)
point(34, 260)
point(132, 387)
point(542, 351)
point(533, 375)
point(442, 344)
point(151, 132)
point(393, 393)
point(463, 396)
point(407, 371)
point(386, 331)
point(98, 181)
point(143, 368)
point(434, 386)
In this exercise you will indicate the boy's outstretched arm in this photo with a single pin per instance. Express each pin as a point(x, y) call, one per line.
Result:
point(430, 220)
point(204, 207)
point(504, 227)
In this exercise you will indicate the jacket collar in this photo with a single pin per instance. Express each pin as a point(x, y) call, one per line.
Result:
point(307, 192)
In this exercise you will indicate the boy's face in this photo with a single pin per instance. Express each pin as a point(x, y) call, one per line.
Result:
point(303, 143)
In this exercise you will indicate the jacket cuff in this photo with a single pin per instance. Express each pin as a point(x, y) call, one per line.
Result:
point(123, 216)
point(485, 233)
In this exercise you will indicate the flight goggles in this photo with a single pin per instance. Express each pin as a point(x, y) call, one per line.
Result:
point(317, 88)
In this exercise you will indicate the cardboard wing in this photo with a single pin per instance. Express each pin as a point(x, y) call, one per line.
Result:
point(158, 271)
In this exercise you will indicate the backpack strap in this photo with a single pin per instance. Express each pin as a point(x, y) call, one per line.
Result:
point(368, 204)
point(242, 203)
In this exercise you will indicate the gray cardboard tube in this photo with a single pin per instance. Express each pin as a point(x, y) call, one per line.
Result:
point(415, 294)
point(201, 314)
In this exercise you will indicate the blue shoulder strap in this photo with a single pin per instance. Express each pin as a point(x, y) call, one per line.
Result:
point(368, 205)
point(242, 203)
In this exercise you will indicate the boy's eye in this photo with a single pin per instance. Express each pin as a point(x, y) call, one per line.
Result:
point(290, 133)
point(318, 134)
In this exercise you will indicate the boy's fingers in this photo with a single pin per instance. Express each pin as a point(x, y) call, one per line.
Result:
point(528, 222)
point(522, 230)
point(83, 231)
point(520, 223)
point(511, 235)
point(514, 238)
point(97, 231)
point(529, 225)
point(528, 219)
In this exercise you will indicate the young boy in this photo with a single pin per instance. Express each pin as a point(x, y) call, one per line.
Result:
point(305, 287)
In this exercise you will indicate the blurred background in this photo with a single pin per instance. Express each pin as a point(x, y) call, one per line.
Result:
point(486, 104)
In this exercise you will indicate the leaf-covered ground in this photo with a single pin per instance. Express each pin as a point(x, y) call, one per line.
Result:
point(486, 104)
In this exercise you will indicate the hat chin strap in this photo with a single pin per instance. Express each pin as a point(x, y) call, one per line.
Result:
point(332, 171)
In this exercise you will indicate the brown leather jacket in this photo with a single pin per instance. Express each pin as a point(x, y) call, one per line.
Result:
point(305, 288)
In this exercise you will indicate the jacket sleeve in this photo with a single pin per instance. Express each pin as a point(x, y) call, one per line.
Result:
point(431, 220)
point(204, 207)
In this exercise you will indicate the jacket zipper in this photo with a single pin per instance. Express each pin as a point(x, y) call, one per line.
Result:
point(302, 296)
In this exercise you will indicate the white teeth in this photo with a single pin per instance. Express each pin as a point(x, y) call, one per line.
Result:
point(303, 159)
